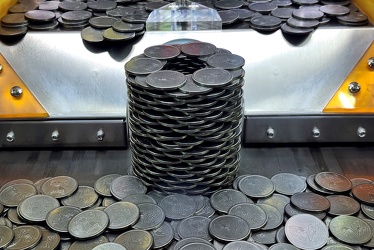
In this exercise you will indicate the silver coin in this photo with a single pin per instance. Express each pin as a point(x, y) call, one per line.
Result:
point(88, 224)
point(88, 244)
point(6, 237)
point(140, 198)
point(25, 237)
point(265, 237)
point(197, 245)
point(14, 217)
point(5, 222)
point(280, 236)
point(275, 218)
point(12, 195)
point(40, 15)
point(102, 185)
point(17, 181)
point(308, 14)
point(122, 215)
point(312, 185)
point(228, 16)
point(102, 22)
point(229, 228)
point(102, 5)
point(76, 16)
point(278, 201)
point(143, 66)
point(84, 197)
point(109, 246)
point(212, 77)
point(126, 185)
point(49, 241)
point(59, 186)
point(364, 193)
point(224, 199)
point(227, 4)
point(121, 26)
point(218, 245)
point(191, 88)
point(207, 210)
point(69, 6)
point(187, 241)
point(194, 226)
point(35, 208)
point(333, 182)
point(350, 229)
point(283, 246)
point(253, 214)
point(240, 245)
point(151, 216)
point(108, 201)
point(263, 8)
point(197, 49)
point(342, 205)
point(226, 61)
point(178, 206)
point(162, 52)
point(256, 186)
point(286, 28)
point(290, 210)
point(135, 239)
point(335, 10)
point(337, 246)
point(368, 211)
point(166, 80)
point(58, 219)
point(162, 236)
point(310, 202)
point(306, 231)
point(38, 184)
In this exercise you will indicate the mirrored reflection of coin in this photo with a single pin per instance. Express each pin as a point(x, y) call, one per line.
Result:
point(333, 182)
point(342, 205)
point(275, 218)
point(88, 224)
point(135, 239)
point(253, 214)
point(60, 186)
point(256, 186)
point(83, 198)
point(49, 241)
point(195, 226)
point(102, 185)
point(350, 229)
point(151, 216)
point(310, 202)
point(35, 208)
point(11, 196)
point(126, 185)
point(25, 237)
point(229, 228)
point(7, 236)
point(364, 193)
point(109, 246)
point(162, 236)
point(88, 244)
point(306, 231)
point(178, 206)
point(224, 199)
point(58, 219)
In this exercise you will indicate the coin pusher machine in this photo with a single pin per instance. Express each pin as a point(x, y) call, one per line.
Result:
point(57, 92)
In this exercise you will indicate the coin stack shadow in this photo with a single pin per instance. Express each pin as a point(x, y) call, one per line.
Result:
point(185, 114)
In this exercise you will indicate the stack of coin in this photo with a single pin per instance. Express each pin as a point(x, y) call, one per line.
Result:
point(185, 116)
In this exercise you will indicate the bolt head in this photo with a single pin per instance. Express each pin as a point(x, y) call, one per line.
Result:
point(371, 62)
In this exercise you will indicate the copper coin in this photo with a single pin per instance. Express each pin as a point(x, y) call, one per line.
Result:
point(333, 182)
point(364, 193)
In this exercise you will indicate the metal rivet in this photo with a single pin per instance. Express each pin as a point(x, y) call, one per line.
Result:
point(10, 136)
point(371, 62)
point(55, 135)
point(1, 68)
point(16, 91)
point(354, 87)
point(270, 133)
point(315, 132)
point(361, 132)
point(100, 135)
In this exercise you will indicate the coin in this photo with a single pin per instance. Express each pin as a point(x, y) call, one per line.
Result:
point(195, 226)
point(197, 245)
point(14, 20)
point(274, 217)
point(306, 231)
point(288, 184)
point(14, 217)
point(342, 205)
point(88, 224)
point(151, 216)
point(350, 229)
point(278, 201)
point(89, 244)
point(121, 26)
point(308, 14)
point(265, 23)
point(12, 195)
point(292, 210)
point(335, 10)
point(312, 185)
point(50, 5)
point(102, 5)
point(35, 208)
point(7, 236)
point(228, 16)
point(178, 206)
point(226, 61)
point(368, 211)
point(227, 4)
point(229, 228)
point(120, 11)
point(59, 186)
point(197, 49)
point(186, 241)
point(162, 236)
point(102, 22)
point(253, 214)
point(283, 13)
point(49, 241)
point(263, 7)
point(25, 237)
point(224, 199)
point(112, 35)
point(58, 219)
point(126, 185)
point(256, 186)
point(76, 16)
point(135, 239)
point(310, 202)
point(5, 222)
point(102, 185)
point(109, 246)
point(212, 77)
point(240, 245)
point(17, 181)
point(83, 198)
point(281, 246)
point(364, 193)
point(162, 52)
point(40, 15)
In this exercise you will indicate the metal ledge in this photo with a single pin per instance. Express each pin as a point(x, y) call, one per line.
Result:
point(63, 133)
point(309, 129)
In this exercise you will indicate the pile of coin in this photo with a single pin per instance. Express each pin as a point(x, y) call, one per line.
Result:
point(323, 211)
point(185, 116)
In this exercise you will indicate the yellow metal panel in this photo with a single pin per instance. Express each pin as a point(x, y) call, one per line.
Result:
point(23, 106)
point(362, 102)
point(4, 6)
point(366, 6)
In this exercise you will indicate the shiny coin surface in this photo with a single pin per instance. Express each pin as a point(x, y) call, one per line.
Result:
point(40, 15)
point(274, 217)
point(264, 236)
point(288, 184)
point(14, 217)
point(162, 236)
point(283, 246)
point(88, 224)
point(212, 77)
point(88, 244)
point(228, 16)
point(278, 201)
point(226, 61)
point(178, 206)
point(76, 16)
point(335, 10)
point(25, 237)
point(70, 6)
point(162, 52)
point(298, 23)
point(364, 193)
point(371, 224)
point(151, 216)
point(102, 5)
point(122, 215)
point(102, 22)
point(253, 214)
point(224, 199)
point(310, 202)
point(333, 182)
point(36, 208)
point(49, 241)
point(263, 8)
point(14, 20)
point(17, 181)
point(135, 239)
point(306, 231)
point(194, 226)
point(121, 26)
point(350, 229)
point(291, 210)
point(197, 245)
point(308, 14)
point(229, 228)
point(187, 241)
point(240, 245)
point(6, 237)
point(109, 246)
point(256, 186)
point(196, 49)
point(143, 66)
point(342, 205)
point(312, 185)
point(84, 197)
point(58, 219)
point(102, 185)
point(126, 185)
point(283, 13)
point(120, 11)
point(14, 194)
point(140, 198)
point(60, 186)
point(166, 80)
point(368, 211)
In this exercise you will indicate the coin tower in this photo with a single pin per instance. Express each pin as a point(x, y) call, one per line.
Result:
point(185, 115)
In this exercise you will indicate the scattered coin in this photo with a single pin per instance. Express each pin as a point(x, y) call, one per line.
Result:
point(342, 205)
point(333, 182)
point(151, 216)
point(194, 227)
point(178, 206)
point(229, 228)
point(12, 195)
point(58, 219)
point(126, 185)
point(224, 199)
point(59, 186)
point(364, 193)
point(35, 208)
point(88, 224)
point(25, 237)
point(135, 239)
point(256, 186)
point(310, 202)
point(253, 214)
point(7, 236)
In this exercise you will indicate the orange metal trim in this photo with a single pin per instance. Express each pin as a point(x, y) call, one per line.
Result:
point(362, 102)
point(5, 5)
point(24, 106)
point(366, 7)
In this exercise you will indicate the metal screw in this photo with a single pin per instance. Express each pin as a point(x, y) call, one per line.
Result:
point(55, 135)
point(1, 68)
point(10, 136)
point(315, 132)
point(361, 132)
point(354, 87)
point(371, 62)
point(100, 135)
point(270, 133)
point(16, 91)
